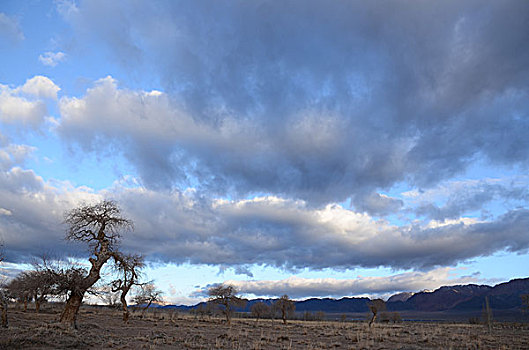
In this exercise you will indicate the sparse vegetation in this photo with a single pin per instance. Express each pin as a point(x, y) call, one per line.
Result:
point(260, 310)
point(3, 295)
point(3, 308)
point(101, 327)
point(376, 306)
point(285, 306)
point(226, 297)
point(525, 302)
point(147, 294)
point(129, 267)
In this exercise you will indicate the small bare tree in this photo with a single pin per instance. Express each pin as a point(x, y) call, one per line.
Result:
point(487, 314)
point(106, 295)
point(17, 289)
point(525, 302)
point(99, 226)
point(285, 306)
point(3, 295)
point(3, 307)
point(128, 267)
point(259, 310)
point(203, 310)
point(36, 285)
point(147, 295)
point(226, 297)
point(376, 306)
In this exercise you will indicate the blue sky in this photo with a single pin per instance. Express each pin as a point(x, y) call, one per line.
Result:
point(310, 148)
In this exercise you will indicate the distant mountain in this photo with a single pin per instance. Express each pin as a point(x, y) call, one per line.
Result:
point(470, 297)
point(333, 305)
point(400, 297)
point(444, 298)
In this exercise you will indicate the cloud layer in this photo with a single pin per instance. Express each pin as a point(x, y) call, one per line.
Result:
point(296, 287)
point(312, 100)
point(185, 227)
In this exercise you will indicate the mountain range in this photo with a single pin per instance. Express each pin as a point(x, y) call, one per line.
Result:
point(468, 298)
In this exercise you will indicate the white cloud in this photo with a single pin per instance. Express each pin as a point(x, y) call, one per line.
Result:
point(52, 58)
point(24, 105)
point(298, 287)
point(12, 154)
point(41, 87)
point(17, 109)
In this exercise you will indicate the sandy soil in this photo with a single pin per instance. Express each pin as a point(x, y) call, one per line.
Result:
point(103, 328)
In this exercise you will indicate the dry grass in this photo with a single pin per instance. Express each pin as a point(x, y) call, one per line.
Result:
point(103, 328)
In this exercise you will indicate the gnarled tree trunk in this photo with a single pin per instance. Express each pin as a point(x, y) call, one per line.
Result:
point(69, 314)
point(124, 306)
point(3, 310)
point(71, 309)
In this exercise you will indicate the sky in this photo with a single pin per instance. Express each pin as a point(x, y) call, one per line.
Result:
point(309, 148)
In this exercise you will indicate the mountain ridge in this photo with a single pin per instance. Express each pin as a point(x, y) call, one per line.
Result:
point(468, 297)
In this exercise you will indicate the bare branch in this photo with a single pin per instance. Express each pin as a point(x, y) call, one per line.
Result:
point(226, 297)
point(96, 223)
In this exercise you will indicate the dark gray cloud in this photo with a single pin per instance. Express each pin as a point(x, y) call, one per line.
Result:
point(316, 100)
point(185, 227)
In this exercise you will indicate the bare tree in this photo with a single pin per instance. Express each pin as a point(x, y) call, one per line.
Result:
point(3, 307)
point(18, 289)
point(129, 267)
point(147, 295)
point(99, 226)
point(203, 310)
point(34, 285)
point(106, 295)
point(375, 306)
point(487, 314)
point(226, 297)
point(3, 295)
point(259, 310)
point(285, 306)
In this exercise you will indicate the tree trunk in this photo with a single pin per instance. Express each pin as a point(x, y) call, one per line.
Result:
point(37, 302)
point(228, 314)
point(125, 308)
point(25, 303)
point(372, 320)
point(145, 308)
point(3, 306)
point(69, 315)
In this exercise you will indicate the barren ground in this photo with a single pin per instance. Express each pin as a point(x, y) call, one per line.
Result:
point(103, 328)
